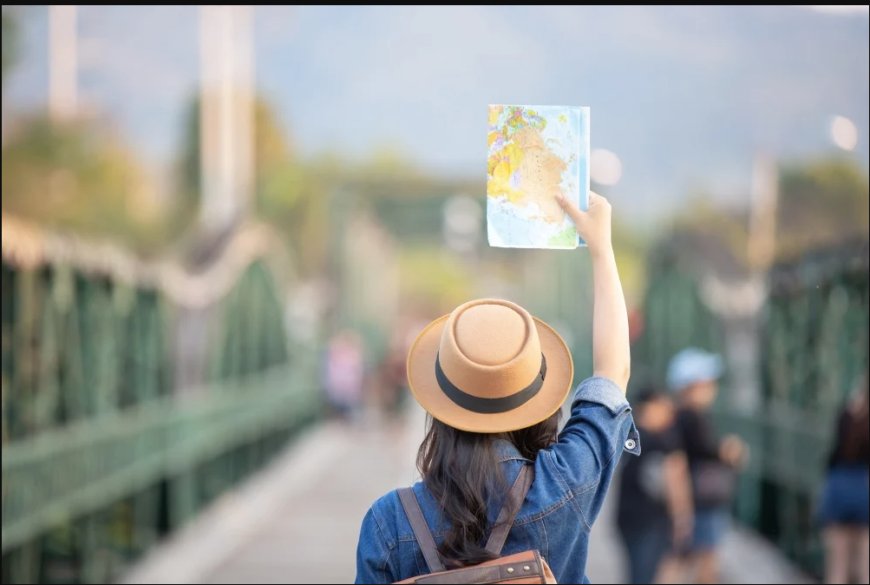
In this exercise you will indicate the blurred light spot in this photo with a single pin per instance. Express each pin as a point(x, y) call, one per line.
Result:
point(462, 223)
point(844, 133)
point(606, 167)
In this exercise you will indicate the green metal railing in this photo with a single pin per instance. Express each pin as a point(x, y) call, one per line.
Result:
point(674, 317)
point(813, 346)
point(814, 349)
point(107, 445)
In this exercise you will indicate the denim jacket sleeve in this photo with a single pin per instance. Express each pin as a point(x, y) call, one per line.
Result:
point(373, 559)
point(583, 459)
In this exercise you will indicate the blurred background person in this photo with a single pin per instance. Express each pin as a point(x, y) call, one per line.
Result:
point(693, 376)
point(654, 510)
point(844, 507)
point(392, 391)
point(344, 373)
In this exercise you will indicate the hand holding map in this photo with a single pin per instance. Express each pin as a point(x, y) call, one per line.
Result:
point(536, 154)
point(593, 225)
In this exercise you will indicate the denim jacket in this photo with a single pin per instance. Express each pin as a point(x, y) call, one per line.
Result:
point(571, 480)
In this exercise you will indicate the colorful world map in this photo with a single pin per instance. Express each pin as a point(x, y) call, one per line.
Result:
point(535, 154)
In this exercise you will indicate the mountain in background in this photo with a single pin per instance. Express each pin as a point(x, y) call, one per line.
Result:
point(684, 95)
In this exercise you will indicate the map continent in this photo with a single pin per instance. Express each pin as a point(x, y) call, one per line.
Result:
point(535, 154)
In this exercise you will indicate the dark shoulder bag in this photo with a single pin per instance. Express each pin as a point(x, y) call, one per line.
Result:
point(713, 484)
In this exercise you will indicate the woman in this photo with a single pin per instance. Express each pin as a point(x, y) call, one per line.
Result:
point(492, 379)
point(844, 506)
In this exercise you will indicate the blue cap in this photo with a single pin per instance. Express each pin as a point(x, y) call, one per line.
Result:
point(693, 365)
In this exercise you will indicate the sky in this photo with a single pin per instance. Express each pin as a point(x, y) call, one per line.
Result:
point(685, 96)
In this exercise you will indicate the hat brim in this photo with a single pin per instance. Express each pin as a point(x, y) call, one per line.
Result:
point(425, 388)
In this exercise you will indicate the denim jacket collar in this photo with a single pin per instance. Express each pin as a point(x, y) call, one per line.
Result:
point(506, 451)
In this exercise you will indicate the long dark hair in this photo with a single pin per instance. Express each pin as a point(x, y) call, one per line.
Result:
point(462, 470)
point(855, 435)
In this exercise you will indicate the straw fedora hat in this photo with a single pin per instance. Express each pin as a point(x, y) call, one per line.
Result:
point(489, 367)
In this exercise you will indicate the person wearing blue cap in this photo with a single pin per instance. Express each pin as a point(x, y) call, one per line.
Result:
point(693, 376)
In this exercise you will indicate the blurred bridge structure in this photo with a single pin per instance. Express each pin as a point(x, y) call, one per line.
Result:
point(158, 419)
point(136, 392)
point(795, 341)
point(162, 413)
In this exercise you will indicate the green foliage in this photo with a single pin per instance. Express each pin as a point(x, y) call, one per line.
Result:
point(271, 157)
point(272, 148)
point(287, 194)
point(433, 279)
point(10, 41)
point(630, 250)
point(76, 176)
point(188, 167)
point(387, 161)
point(821, 204)
point(706, 234)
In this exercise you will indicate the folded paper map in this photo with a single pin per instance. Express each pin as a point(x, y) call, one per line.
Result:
point(535, 153)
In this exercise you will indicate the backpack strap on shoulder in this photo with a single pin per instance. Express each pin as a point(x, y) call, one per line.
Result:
point(421, 529)
point(510, 509)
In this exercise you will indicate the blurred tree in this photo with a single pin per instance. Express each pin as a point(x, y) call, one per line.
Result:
point(432, 278)
point(10, 41)
point(76, 175)
point(630, 249)
point(821, 204)
point(286, 194)
point(271, 149)
point(388, 161)
point(705, 232)
point(188, 170)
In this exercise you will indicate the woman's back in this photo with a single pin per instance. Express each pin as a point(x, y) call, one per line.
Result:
point(571, 479)
point(493, 379)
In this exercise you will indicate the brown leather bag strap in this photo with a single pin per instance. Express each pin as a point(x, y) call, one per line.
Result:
point(421, 529)
point(510, 509)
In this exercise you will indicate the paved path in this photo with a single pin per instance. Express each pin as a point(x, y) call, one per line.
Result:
point(298, 520)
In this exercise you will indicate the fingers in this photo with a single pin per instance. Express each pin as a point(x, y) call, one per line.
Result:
point(567, 204)
point(595, 200)
point(570, 208)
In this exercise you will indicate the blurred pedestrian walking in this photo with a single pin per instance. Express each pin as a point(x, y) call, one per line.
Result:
point(654, 510)
point(843, 510)
point(344, 371)
point(693, 377)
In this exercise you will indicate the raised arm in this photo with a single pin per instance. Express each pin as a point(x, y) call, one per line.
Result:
point(611, 357)
point(600, 427)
